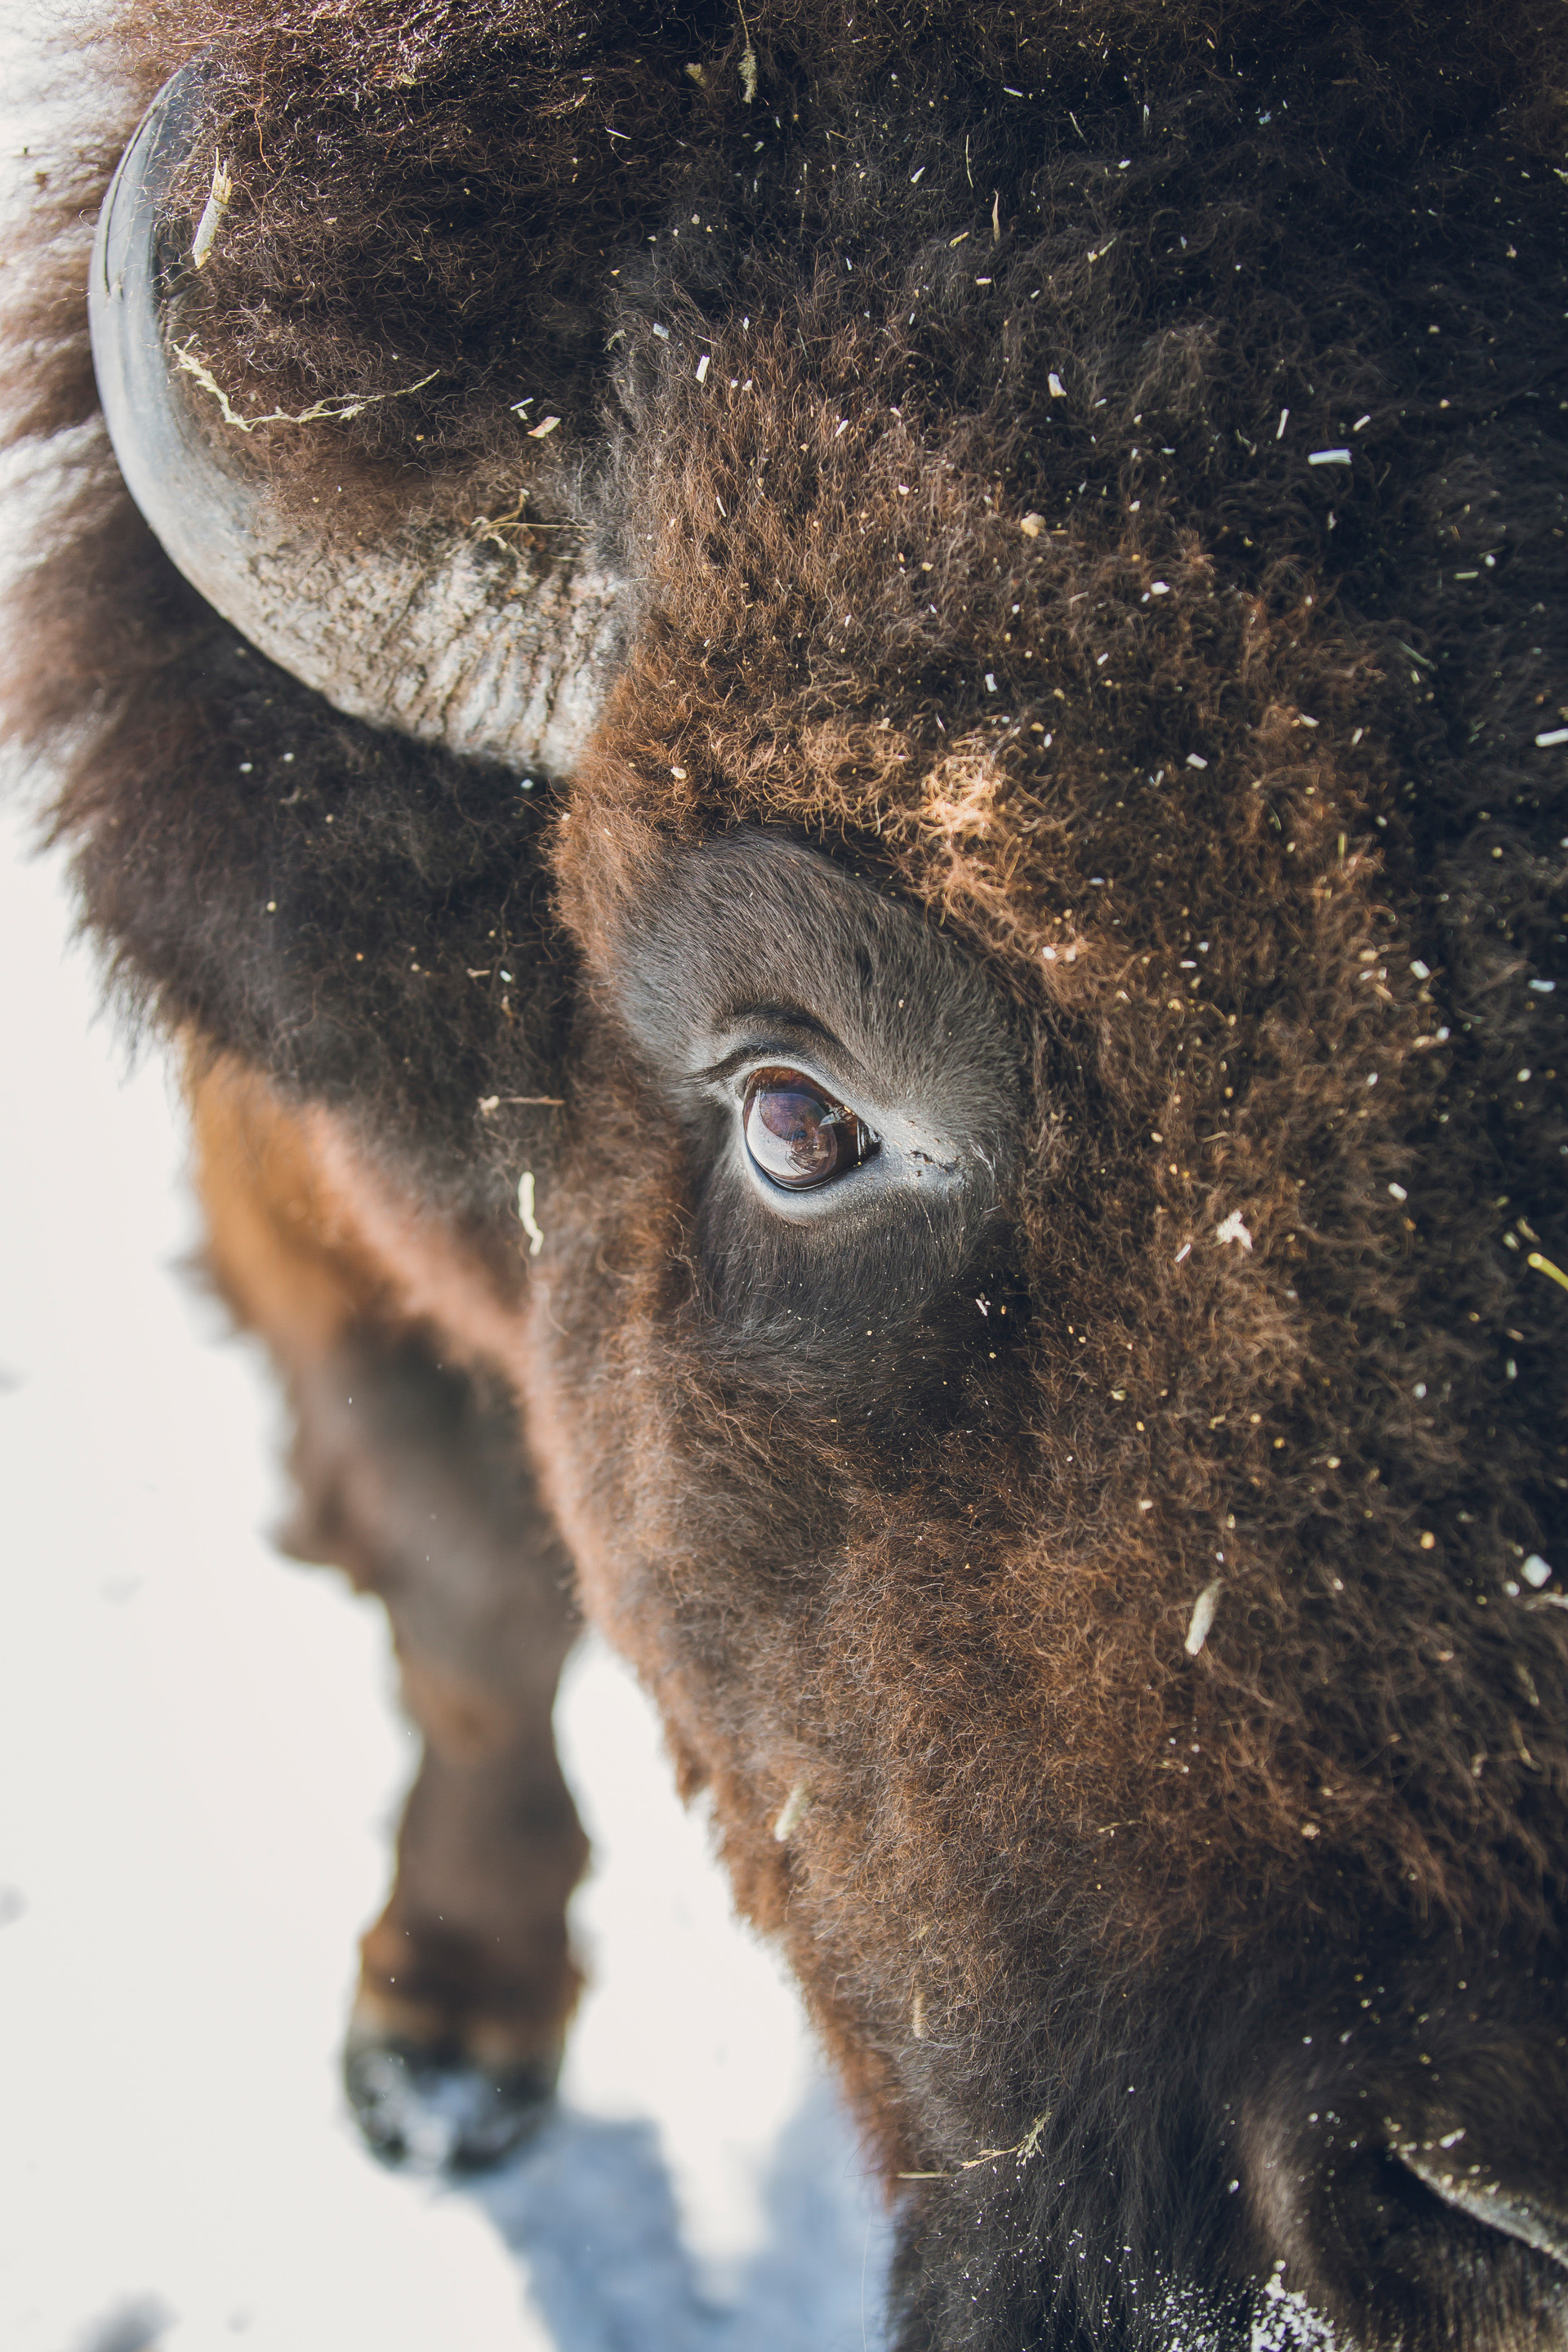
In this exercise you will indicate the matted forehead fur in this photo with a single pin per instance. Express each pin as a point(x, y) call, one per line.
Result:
point(985, 554)
point(1197, 786)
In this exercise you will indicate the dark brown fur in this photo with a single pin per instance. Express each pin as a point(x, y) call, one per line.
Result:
point(1196, 752)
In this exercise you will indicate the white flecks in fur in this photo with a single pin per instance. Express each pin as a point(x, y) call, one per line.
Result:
point(917, 2015)
point(211, 221)
point(1286, 2322)
point(1233, 1228)
point(1536, 1570)
point(1280, 2322)
point(525, 1212)
point(320, 412)
point(1202, 1616)
point(796, 1805)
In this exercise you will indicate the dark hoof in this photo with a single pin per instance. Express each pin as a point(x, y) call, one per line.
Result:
point(438, 2111)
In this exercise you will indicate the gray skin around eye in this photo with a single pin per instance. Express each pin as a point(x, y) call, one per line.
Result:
point(755, 951)
point(905, 1150)
point(752, 954)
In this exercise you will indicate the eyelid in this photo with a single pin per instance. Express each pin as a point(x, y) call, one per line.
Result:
point(734, 1071)
point(778, 1016)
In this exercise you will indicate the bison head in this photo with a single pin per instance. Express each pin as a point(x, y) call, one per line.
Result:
point(923, 886)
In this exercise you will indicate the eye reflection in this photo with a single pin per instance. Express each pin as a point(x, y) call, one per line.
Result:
point(797, 1136)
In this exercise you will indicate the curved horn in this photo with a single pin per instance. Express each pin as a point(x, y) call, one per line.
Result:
point(428, 633)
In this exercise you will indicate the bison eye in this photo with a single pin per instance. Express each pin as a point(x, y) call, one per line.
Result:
point(797, 1136)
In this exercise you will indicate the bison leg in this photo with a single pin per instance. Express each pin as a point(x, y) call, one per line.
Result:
point(411, 1476)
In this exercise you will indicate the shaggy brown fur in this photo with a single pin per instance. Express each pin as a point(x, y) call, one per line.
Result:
point(986, 558)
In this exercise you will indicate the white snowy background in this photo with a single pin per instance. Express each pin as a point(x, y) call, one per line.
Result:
point(201, 1768)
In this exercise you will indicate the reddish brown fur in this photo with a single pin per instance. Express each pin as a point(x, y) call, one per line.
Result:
point(470, 1952)
point(1047, 1853)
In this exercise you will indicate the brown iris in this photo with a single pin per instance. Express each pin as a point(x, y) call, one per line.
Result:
point(797, 1136)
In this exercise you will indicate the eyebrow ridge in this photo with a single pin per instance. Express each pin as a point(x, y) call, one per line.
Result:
point(783, 1015)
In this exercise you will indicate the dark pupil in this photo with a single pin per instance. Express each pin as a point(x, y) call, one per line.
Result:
point(795, 1136)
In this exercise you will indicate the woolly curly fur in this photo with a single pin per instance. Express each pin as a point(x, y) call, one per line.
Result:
point(988, 555)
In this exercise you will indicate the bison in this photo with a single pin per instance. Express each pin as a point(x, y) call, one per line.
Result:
point(834, 737)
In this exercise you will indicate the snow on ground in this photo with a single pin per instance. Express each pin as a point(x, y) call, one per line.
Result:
point(200, 1769)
